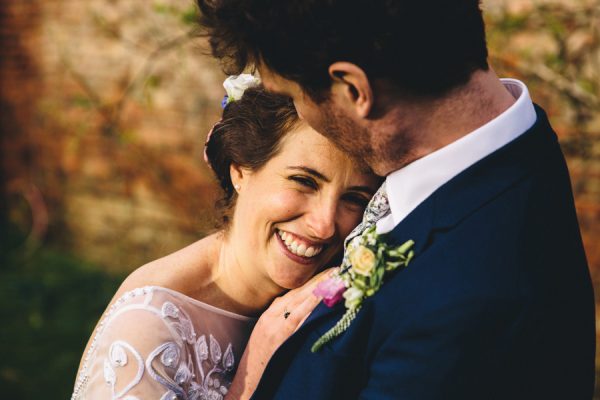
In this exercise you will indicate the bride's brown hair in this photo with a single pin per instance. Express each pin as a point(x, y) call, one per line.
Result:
point(248, 136)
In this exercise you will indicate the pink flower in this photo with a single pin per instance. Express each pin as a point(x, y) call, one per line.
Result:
point(331, 290)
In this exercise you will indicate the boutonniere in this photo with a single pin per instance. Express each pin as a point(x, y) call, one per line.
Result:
point(368, 260)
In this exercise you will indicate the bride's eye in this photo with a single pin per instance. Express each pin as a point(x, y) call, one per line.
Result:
point(305, 181)
point(356, 200)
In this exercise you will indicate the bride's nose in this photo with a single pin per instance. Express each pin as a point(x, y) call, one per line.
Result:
point(320, 218)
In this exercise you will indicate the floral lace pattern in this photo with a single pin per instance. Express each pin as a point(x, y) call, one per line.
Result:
point(189, 366)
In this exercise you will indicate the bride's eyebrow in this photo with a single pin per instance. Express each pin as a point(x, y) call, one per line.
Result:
point(365, 189)
point(310, 171)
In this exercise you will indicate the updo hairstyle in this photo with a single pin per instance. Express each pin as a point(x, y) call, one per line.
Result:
point(248, 136)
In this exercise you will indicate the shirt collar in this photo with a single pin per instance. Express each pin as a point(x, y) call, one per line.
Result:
point(410, 185)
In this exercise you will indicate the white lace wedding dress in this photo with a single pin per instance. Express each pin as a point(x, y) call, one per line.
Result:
point(156, 343)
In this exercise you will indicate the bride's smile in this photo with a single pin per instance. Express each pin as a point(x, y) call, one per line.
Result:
point(299, 246)
point(292, 214)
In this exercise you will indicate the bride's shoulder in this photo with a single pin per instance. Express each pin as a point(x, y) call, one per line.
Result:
point(177, 271)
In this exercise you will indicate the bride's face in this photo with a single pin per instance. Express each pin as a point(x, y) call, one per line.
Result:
point(292, 215)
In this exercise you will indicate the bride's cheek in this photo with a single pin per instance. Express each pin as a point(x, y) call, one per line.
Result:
point(287, 201)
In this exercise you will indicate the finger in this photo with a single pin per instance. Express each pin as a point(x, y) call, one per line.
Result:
point(309, 309)
point(278, 304)
point(309, 286)
point(299, 313)
point(325, 274)
point(296, 297)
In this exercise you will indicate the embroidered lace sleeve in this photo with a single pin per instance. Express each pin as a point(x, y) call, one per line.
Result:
point(155, 343)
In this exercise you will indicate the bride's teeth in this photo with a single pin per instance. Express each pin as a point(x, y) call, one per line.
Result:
point(301, 250)
point(309, 252)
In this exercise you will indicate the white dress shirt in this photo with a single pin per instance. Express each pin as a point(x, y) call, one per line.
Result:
point(412, 184)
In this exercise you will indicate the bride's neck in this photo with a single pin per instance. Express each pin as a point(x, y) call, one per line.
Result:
point(236, 285)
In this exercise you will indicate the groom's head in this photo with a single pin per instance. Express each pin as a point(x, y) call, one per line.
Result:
point(345, 61)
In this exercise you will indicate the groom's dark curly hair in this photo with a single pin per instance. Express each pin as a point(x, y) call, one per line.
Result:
point(422, 48)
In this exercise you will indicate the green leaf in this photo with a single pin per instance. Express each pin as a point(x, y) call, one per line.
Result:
point(396, 254)
point(359, 284)
point(390, 266)
point(406, 246)
point(380, 273)
point(410, 256)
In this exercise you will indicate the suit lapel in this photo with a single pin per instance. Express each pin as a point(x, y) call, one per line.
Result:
point(476, 186)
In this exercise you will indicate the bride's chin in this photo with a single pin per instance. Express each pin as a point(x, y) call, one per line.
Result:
point(290, 271)
point(290, 275)
point(290, 282)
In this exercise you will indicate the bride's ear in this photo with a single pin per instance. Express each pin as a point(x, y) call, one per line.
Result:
point(351, 87)
point(238, 176)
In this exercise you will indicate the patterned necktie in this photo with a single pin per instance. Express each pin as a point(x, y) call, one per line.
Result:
point(377, 208)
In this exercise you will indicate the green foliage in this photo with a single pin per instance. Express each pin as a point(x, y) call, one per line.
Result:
point(511, 23)
point(161, 8)
point(49, 305)
point(555, 25)
point(82, 101)
point(190, 16)
point(554, 61)
point(153, 81)
point(588, 85)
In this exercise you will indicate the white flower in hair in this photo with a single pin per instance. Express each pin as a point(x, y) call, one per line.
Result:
point(236, 85)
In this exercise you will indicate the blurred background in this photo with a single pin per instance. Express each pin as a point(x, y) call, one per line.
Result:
point(104, 108)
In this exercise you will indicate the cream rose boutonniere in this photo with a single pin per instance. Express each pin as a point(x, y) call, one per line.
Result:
point(368, 261)
point(362, 260)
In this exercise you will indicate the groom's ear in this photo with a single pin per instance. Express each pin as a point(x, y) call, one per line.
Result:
point(352, 87)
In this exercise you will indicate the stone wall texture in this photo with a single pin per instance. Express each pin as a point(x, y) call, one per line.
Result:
point(105, 108)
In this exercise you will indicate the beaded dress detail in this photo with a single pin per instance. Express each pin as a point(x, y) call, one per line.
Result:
point(156, 343)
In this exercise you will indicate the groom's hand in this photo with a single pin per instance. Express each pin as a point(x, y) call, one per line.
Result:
point(283, 317)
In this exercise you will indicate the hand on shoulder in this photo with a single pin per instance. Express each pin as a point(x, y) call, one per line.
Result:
point(283, 317)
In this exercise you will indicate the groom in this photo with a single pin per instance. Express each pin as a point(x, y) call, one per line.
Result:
point(497, 302)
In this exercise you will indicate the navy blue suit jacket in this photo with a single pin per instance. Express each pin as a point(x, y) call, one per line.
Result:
point(497, 303)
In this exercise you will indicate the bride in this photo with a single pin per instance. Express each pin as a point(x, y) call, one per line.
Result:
point(178, 326)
